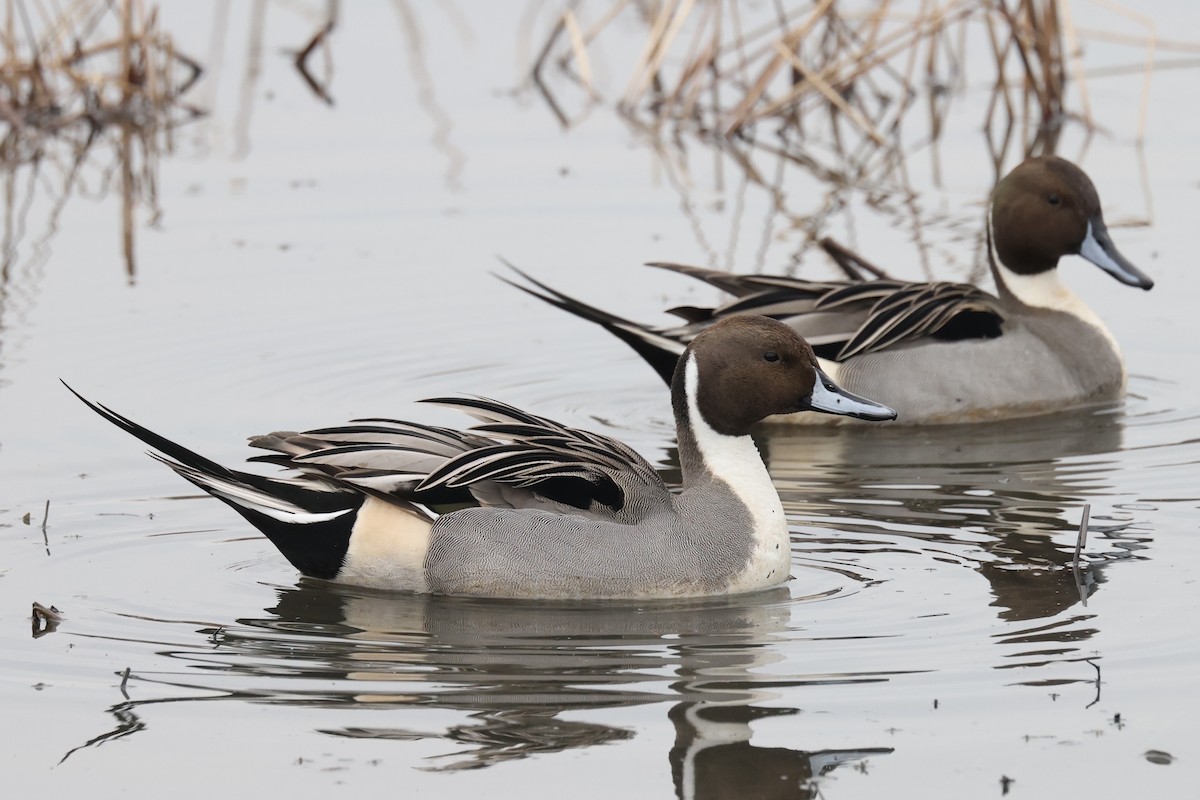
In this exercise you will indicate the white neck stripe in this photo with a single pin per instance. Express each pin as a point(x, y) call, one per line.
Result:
point(735, 461)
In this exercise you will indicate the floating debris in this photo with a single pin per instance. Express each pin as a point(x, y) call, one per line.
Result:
point(1159, 757)
point(45, 620)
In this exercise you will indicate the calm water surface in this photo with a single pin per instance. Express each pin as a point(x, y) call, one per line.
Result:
point(315, 263)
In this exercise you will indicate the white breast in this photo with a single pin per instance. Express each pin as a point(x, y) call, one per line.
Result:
point(736, 461)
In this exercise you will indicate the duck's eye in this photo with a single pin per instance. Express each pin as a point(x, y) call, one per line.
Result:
point(771, 356)
point(1054, 200)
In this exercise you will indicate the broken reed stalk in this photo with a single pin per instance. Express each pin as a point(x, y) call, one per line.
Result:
point(835, 99)
point(126, 74)
point(1081, 539)
point(578, 49)
point(653, 44)
point(789, 42)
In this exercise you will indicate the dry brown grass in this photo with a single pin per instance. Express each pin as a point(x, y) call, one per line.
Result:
point(843, 90)
point(853, 69)
point(80, 80)
point(87, 66)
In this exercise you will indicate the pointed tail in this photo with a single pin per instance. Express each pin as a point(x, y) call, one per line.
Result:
point(659, 350)
point(309, 523)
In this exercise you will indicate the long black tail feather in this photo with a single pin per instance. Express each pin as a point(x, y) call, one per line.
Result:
point(659, 351)
point(311, 527)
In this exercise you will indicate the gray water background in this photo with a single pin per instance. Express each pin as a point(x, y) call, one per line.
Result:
point(312, 264)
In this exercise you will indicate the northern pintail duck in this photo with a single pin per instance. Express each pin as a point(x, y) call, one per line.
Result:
point(941, 352)
point(541, 510)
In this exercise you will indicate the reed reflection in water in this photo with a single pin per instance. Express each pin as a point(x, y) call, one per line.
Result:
point(817, 115)
point(1003, 499)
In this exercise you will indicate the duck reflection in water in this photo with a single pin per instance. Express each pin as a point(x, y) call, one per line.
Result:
point(1006, 497)
point(1003, 499)
point(515, 667)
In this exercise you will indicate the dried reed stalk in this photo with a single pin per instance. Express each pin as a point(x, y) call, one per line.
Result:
point(87, 66)
point(80, 74)
point(828, 84)
point(852, 64)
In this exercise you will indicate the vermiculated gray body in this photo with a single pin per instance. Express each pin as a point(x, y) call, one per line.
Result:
point(1064, 361)
point(509, 553)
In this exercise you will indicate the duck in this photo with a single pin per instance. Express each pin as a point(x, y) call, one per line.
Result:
point(521, 506)
point(937, 352)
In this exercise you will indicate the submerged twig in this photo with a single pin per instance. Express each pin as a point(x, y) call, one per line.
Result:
point(1097, 668)
point(1080, 541)
point(301, 62)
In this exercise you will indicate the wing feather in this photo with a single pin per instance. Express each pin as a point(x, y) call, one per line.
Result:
point(539, 460)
